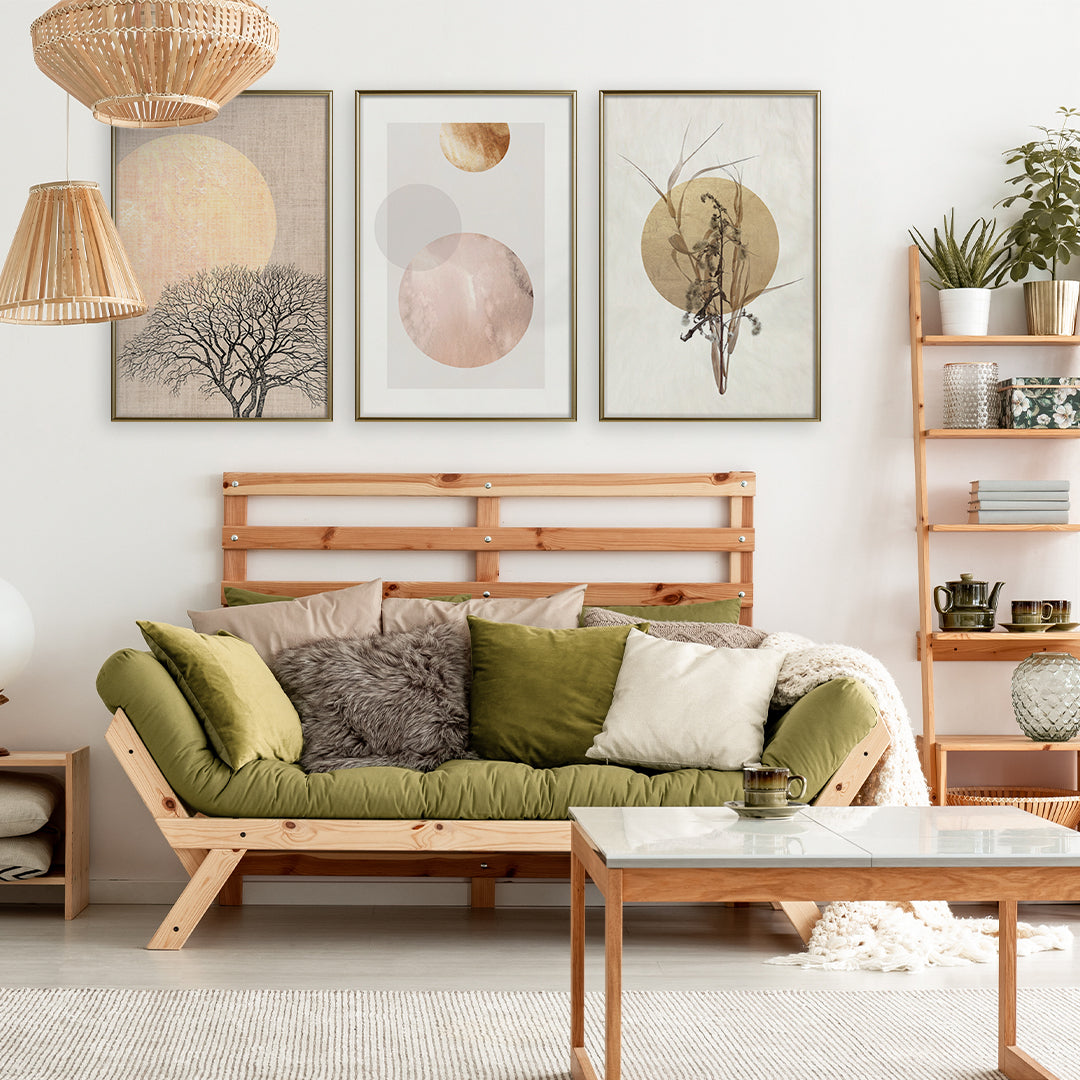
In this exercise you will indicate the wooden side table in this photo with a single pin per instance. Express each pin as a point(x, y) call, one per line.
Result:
point(74, 871)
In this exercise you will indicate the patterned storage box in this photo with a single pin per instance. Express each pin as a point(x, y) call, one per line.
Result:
point(1040, 401)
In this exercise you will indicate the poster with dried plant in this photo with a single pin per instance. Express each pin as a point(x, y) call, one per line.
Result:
point(465, 255)
point(227, 225)
point(710, 293)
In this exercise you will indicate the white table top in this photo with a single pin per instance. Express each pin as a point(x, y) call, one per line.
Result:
point(708, 836)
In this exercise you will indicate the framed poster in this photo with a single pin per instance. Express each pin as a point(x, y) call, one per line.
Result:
point(709, 240)
point(228, 227)
point(465, 240)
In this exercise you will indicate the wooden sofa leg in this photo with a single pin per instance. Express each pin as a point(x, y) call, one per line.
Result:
point(232, 892)
point(197, 896)
point(482, 892)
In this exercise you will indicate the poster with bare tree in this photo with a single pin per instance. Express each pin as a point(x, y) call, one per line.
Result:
point(227, 225)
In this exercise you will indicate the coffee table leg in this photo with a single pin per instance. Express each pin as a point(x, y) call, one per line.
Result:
point(577, 965)
point(613, 934)
point(1012, 1061)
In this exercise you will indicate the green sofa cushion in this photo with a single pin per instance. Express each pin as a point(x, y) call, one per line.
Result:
point(726, 611)
point(469, 790)
point(242, 706)
point(540, 696)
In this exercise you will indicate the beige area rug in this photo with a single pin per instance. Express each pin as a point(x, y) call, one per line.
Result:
point(92, 1034)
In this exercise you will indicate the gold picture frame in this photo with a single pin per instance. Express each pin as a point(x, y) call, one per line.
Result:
point(710, 215)
point(229, 226)
point(466, 239)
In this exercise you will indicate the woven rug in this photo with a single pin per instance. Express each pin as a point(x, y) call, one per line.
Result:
point(90, 1034)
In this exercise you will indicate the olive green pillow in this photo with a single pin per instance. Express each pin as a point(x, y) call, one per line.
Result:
point(726, 611)
point(243, 708)
point(540, 696)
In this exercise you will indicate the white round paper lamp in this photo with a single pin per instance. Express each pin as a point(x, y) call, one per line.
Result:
point(16, 633)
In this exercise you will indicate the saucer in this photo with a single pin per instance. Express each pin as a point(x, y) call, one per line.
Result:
point(1065, 627)
point(1027, 627)
point(745, 811)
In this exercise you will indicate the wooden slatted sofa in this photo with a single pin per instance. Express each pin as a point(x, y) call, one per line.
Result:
point(219, 852)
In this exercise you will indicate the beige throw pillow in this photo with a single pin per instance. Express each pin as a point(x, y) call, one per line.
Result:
point(728, 635)
point(558, 612)
point(352, 612)
point(685, 706)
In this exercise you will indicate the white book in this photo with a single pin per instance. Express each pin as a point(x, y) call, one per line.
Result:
point(1019, 485)
point(984, 503)
point(1018, 517)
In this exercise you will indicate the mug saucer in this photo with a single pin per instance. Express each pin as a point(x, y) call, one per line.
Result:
point(745, 811)
point(1027, 627)
point(1064, 627)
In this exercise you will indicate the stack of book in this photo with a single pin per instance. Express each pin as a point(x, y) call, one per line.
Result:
point(1019, 502)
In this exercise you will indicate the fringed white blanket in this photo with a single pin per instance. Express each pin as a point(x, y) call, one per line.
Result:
point(882, 936)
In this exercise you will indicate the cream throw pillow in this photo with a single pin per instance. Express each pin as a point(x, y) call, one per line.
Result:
point(558, 612)
point(684, 706)
point(352, 612)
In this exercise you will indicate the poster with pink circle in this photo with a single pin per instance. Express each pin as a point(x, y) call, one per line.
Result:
point(465, 256)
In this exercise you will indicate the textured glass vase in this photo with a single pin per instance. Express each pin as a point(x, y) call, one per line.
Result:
point(1046, 696)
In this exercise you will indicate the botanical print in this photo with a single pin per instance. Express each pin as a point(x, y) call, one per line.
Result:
point(1044, 401)
point(227, 227)
point(464, 242)
point(710, 206)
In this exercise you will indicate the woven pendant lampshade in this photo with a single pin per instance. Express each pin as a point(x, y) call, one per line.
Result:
point(154, 63)
point(66, 263)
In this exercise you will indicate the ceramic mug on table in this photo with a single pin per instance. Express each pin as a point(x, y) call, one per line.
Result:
point(1060, 610)
point(1031, 611)
point(767, 785)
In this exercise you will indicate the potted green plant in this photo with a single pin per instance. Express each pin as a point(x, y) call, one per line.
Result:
point(1047, 234)
point(966, 272)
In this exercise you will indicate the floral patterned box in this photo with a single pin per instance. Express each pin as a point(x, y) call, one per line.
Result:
point(1040, 401)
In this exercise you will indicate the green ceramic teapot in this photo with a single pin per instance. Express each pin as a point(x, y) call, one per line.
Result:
point(970, 604)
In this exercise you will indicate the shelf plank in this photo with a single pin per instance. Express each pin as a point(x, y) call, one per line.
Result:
point(34, 759)
point(53, 877)
point(1002, 433)
point(1002, 339)
point(995, 645)
point(1008, 743)
point(958, 527)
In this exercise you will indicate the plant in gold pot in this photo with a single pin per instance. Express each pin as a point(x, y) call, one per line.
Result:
point(1047, 234)
point(966, 272)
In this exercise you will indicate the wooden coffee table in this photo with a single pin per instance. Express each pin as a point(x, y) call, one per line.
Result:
point(672, 854)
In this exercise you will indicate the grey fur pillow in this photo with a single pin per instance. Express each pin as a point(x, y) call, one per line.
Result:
point(391, 699)
point(718, 635)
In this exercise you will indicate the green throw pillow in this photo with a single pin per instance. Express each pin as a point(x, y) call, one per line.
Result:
point(540, 696)
point(236, 597)
point(707, 611)
point(243, 708)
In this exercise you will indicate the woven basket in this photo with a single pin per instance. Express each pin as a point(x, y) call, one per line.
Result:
point(1054, 804)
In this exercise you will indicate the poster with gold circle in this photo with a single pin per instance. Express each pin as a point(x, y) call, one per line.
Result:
point(710, 278)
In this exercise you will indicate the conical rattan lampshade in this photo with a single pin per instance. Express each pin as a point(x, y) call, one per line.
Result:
point(154, 63)
point(66, 263)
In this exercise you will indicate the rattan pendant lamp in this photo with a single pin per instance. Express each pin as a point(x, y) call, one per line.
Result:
point(154, 63)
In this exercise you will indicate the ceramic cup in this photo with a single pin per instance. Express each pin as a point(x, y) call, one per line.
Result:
point(1060, 610)
point(1031, 611)
point(764, 785)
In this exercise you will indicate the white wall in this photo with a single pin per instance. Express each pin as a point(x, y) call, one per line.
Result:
point(104, 523)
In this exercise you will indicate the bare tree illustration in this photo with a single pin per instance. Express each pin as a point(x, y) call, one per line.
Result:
point(237, 332)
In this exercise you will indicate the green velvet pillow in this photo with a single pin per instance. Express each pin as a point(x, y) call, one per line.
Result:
point(707, 611)
point(540, 696)
point(236, 597)
point(243, 708)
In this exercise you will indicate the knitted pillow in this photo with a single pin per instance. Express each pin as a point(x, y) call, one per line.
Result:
point(718, 635)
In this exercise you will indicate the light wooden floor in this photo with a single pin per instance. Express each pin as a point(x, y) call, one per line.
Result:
point(404, 948)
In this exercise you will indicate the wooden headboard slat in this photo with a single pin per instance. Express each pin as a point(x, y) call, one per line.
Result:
point(545, 485)
point(488, 537)
point(468, 538)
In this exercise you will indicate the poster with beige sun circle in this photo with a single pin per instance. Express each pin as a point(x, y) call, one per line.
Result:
point(227, 228)
point(465, 256)
point(710, 291)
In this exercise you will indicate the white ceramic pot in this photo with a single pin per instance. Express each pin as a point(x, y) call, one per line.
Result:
point(964, 312)
point(1051, 306)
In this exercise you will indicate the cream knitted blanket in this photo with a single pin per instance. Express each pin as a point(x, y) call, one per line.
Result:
point(881, 936)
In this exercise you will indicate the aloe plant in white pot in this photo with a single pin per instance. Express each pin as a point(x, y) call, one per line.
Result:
point(966, 273)
point(1047, 234)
